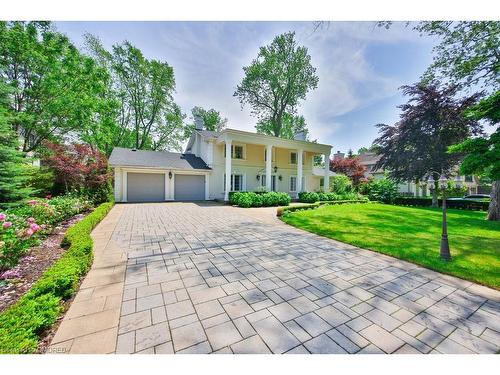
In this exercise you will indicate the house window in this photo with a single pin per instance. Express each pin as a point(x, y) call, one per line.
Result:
point(468, 178)
point(293, 158)
point(236, 182)
point(237, 152)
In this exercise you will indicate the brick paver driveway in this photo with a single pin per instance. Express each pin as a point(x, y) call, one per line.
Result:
point(210, 278)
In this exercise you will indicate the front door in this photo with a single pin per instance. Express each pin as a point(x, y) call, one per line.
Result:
point(273, 181)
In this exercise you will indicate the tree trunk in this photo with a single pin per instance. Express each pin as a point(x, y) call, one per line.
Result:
point(494, 208)
point(435, 202)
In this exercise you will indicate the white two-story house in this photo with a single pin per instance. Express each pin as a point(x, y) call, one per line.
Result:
point(252, 161)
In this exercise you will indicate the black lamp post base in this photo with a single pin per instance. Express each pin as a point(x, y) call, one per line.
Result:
point(444, 252)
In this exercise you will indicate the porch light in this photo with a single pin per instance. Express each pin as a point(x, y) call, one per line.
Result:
point(170, 174)
point(275, 169)
point(258, 177)
point(280, 177)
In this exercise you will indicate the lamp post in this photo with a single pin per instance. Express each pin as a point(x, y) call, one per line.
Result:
point(444, 251)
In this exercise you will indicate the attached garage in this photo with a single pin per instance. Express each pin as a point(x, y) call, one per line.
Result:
point(189, 187)
point(146, 187)
point(157, 176)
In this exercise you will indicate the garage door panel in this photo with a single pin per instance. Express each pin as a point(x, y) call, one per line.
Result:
point(145, 187)
point(189, 187)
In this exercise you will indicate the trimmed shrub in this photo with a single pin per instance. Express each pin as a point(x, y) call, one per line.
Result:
point(308, 197)
point(22, 323)
point(254, 199)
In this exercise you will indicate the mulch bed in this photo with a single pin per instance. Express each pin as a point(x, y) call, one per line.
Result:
point(34, 263)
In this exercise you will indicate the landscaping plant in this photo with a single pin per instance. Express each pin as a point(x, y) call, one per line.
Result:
point(22, 324)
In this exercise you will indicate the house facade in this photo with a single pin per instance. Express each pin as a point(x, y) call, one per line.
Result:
point(252, 161)
point(370, 159)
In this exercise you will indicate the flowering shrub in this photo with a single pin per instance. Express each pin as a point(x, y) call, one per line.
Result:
point(24, 226)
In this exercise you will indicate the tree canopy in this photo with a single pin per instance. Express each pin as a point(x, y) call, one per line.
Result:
point(56, 90)
point(146, 116)
point(431, 120)
point(468, 52)
point(291, 125)
point(275, 82)
point(212, 120)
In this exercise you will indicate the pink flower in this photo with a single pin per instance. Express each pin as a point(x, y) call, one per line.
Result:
point(30, 220)
point(2, 216)
point(29, 232)
point(32, 202)
point(49, 196)
point(10, 274)
point(6, 225)
point(43, 226)
point(34, 227)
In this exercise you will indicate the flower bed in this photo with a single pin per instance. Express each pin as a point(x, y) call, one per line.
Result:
point(24, 226)
point(22, 324)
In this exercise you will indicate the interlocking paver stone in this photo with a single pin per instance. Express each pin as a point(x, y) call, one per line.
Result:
point(381, 338)
point(313, 324)
point(223, 279)
point(189, 335)
point(275, 335)
point(223, 335)
point(324, 345)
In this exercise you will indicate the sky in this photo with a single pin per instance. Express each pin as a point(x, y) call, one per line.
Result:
point(360, 68)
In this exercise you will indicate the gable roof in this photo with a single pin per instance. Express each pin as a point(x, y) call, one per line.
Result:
point(125, 157)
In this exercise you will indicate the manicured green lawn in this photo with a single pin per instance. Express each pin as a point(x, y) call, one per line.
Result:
point(413, 234)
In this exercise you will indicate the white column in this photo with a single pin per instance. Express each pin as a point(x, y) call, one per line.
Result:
point(167, 186)
point(326, 180)
point(124, 192)
point(228, 170)
point(299, 170)
point(207, 187)
point(118, 184)
point(269, 160)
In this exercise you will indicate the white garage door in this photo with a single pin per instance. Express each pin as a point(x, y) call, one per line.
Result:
point(145, 187)
point(189, 187)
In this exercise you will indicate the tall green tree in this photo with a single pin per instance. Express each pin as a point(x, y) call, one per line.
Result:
point(468, 52)
point(212, 120)
point(291, 125)
point(275, 82)
point(482, 154)
point(14, 172)
point(57, 91)
point(146, 116)
point(431, 121)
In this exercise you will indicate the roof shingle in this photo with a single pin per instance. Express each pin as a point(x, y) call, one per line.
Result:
point(155, 159)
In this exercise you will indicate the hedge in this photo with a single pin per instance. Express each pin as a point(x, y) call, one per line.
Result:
point(312, 197)
point(459, 204)
point(284, 210)
point(22, 323)
point(253, 199)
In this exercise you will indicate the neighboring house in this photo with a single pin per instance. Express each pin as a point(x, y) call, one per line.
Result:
point(253, 162)
point(370, 159)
